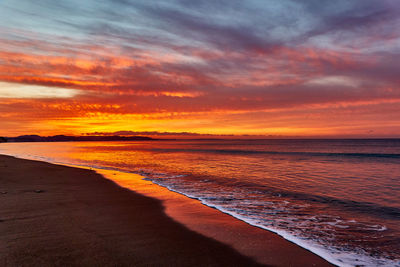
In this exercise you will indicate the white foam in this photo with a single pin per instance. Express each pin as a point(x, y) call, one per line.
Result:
point(330, 254)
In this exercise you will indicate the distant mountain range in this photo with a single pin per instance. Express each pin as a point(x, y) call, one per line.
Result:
point(66, 138)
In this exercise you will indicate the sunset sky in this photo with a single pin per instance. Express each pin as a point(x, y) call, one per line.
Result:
point(262, 67)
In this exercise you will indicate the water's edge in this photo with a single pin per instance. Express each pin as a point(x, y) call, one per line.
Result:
point(290, 238)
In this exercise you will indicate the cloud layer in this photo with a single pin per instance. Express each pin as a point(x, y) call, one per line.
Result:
point(262, 67)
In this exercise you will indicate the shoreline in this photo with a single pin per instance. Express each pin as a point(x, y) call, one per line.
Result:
point(254, 241)
point(212, 226)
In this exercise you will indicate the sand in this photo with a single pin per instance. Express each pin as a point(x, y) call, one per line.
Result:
point(52, 215)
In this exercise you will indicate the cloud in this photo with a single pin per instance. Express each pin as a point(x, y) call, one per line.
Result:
point(15, 90)
point(334, 81)
point(128, 58)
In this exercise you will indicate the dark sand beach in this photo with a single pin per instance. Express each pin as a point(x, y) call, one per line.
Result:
point(52, 215)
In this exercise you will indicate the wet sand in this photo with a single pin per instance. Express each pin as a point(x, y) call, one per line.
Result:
point(52, 215)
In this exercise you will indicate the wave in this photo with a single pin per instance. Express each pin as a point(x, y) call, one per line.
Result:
point(334, 253)
point(383, 211)
point(292, 153)
point(356, 206)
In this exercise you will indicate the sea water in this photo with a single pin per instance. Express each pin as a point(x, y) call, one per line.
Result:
point(337, 198)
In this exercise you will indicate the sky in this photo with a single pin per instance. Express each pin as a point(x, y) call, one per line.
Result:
point(315, 68)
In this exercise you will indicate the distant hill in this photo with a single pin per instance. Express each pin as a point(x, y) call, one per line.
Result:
point(3, 139)
point(66, 138)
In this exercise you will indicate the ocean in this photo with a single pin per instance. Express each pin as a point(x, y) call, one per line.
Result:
point(337, 198)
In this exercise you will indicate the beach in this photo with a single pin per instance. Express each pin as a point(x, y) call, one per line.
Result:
point(53, 215)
